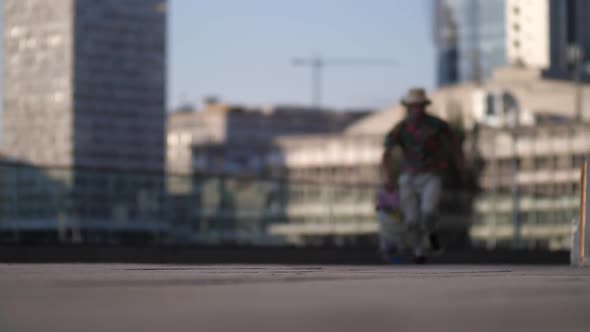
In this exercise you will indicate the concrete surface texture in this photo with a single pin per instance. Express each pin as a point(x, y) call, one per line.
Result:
point(124, 297)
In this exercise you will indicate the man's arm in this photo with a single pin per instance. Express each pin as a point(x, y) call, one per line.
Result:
point(455, 148)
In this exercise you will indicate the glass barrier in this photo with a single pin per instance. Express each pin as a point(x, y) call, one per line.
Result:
point(116, 207)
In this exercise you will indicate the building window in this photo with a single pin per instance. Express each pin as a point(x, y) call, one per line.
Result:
point(490, 109)
point(516, 44)
point(172, 139)
point(516, 27)
point(542, 162)
point(578, 161)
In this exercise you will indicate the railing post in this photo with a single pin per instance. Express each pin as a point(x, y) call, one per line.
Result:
point(581, 232)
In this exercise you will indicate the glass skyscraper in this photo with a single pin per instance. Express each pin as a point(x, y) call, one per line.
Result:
point(482, 38)
point(84, 109)
point(446, 41)
point(84, 83)
point(470, 38)
point(569, 26)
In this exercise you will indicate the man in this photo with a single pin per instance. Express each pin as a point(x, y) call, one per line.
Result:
point(428, 145)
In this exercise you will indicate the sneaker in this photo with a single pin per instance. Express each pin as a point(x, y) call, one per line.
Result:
point(419, 260)
point(437, 253)
point(435, 247)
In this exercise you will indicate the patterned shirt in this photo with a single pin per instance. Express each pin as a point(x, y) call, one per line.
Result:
point(426, 143)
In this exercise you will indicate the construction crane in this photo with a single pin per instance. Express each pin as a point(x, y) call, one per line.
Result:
point(318, 63)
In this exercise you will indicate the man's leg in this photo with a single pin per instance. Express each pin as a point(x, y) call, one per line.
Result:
point(431, 189)
point(409, 199)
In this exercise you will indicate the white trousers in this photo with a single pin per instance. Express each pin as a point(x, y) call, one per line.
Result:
point(419, 199)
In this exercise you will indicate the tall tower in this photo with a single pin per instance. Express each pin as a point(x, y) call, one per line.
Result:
point(84, 83)
point(569, 27)
point(84, 90)
point(446, 41)
point(475, 37)
point(470, 39)
point(528, 33)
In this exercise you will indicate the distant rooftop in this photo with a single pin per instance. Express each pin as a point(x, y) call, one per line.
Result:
point(215, 106)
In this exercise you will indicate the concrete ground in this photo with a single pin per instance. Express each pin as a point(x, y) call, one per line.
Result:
point(123, 297)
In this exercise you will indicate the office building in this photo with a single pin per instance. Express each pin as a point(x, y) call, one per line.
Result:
point(473, 38)
point(233, 138)
point(84, 95)
point(470, 39)
point(84, 82)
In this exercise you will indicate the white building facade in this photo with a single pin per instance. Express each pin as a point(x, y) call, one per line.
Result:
point(528, 38)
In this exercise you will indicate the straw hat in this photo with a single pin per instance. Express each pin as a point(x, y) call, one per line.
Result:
point(415, 96)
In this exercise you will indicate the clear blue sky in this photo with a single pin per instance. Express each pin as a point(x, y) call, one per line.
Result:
point(241, 50)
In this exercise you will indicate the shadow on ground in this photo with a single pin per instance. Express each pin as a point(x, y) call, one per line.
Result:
point(258, 255)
